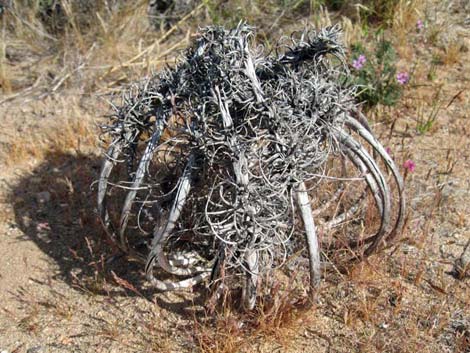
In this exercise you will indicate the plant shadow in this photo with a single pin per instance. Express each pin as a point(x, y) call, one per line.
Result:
point(55, 207)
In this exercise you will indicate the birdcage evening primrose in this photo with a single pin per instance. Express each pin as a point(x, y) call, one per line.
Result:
point(217, 166)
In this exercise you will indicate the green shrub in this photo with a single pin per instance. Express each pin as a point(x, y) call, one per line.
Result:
point(376, 74)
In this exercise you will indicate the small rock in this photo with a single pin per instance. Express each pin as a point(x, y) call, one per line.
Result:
point(44, 237)
point(37, 349)
point(43, 197)
point(462, 264)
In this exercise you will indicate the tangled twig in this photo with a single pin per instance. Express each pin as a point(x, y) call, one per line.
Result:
point(218, 155)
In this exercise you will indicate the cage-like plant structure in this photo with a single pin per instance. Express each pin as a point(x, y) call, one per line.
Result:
point(218, 166)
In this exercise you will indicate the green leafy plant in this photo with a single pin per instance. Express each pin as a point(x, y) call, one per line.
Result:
point(376, 74)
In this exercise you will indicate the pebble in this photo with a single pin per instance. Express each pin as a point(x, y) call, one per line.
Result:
point(43, 197)
point(462, 264)
point(37, 349)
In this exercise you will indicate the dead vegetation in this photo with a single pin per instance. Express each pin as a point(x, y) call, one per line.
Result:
point(66, 289)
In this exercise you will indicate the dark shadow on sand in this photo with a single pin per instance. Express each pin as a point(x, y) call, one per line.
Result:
point(66, 228)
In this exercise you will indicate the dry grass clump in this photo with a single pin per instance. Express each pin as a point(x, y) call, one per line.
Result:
point(75, 133)
point(277, 320)
point(62, 44)
point(92, 57)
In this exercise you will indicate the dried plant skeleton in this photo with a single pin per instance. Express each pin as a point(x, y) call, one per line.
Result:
point(216, 164)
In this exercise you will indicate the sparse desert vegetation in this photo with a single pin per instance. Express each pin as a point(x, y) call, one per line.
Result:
point(64, 288)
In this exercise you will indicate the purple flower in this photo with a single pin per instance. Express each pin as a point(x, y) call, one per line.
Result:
point(403, 77)
point(359, 62)
point(388, 150)
point(409, 165)
point(419, 25)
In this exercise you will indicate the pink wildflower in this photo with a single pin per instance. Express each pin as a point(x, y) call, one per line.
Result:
point(41, 226)
point(388, 150)
point(403, 77)
point(419, 25)
point(359, 62)
point(409, 165)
